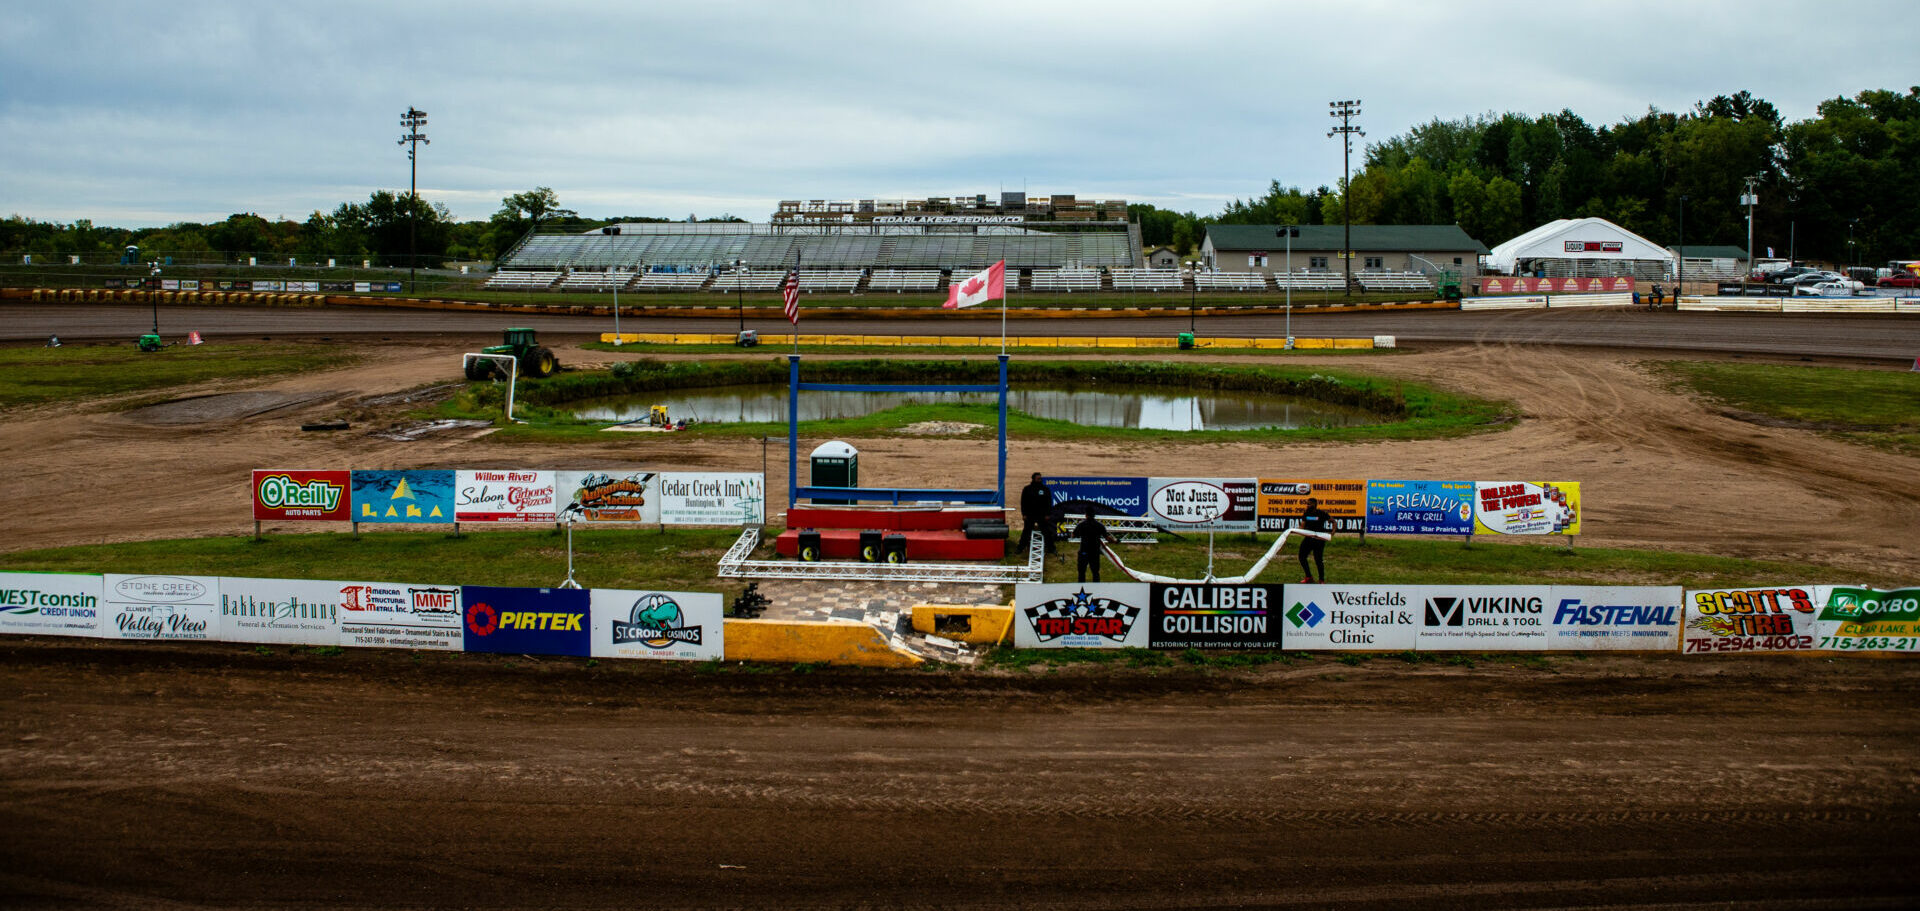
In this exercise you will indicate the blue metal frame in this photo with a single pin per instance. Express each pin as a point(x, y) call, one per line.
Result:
point(996, 496)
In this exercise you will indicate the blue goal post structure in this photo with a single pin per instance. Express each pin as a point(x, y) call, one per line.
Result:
point(996, 495)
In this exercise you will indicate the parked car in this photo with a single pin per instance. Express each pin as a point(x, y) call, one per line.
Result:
point(1839, 288)
point(1779, 276)
point(1814, 277)
point(1907, 280)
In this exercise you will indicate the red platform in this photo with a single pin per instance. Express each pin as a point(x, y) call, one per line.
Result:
point(931, 534)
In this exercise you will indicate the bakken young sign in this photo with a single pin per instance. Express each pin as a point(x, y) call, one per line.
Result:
point(1350, 618)
point(397, 615)
point(1728, 620)
point(1214, 616)
point(280, 494)
point(527, 621)
point(1100, 615)
point(282, 611)
point(684, 626)
point(1482, 617)
point(50, 604)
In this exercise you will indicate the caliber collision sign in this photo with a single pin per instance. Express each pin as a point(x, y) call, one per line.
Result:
point(1214, 616)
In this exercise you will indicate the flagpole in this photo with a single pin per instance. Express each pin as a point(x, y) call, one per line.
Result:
point(1004, 294)
point(794, 324)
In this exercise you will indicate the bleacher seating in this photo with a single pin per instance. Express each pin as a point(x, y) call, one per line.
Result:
point(904, 280)
point(1309, 281)
point(672, 281)
point(596, 281)
point(748, 281)
point(819, 280)
point(522, 281)
point(1394, 281)
point(1068, 280)
point(1231, 281)
point(1148, 279)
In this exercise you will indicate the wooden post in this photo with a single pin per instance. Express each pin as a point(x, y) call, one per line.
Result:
point(256, 529)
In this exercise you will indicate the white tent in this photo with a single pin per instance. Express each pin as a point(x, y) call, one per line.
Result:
point(1580, 246)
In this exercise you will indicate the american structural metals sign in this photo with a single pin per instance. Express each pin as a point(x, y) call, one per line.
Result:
point(400, 615)
point(1214, 616)
point(280, 494)
point(526, 621)
point(1097, 615)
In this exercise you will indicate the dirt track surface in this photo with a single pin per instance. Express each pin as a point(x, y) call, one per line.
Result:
point(154, 776)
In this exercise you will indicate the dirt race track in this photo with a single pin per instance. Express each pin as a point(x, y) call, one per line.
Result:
point(163, 777)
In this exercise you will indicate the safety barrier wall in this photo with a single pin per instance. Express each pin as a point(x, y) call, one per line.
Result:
point(1802, 304)
point(977, 341)
point(1379, 506)
point(1546, 301)
point(443, 496)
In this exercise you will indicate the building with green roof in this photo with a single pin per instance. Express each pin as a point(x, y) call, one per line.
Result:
point(1376, 248)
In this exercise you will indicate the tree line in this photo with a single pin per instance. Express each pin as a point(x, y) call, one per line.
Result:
point(1838, 186)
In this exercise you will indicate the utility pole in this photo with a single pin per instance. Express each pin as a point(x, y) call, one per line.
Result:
point(1750, 199)
point(413, 120)
point(1345, 111)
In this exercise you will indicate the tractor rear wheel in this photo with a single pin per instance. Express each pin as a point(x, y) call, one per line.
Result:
point(479, 369)
point(542, 363)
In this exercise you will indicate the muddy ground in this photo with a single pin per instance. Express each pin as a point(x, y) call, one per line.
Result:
point(156, 776)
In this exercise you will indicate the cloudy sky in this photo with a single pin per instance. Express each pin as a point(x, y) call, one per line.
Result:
point(148, 113)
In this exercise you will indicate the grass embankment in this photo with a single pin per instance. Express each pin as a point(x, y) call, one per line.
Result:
point(1410, 410)
point(1875, 407)
point(77, 373)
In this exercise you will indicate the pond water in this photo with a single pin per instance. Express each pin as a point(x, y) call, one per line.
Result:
point(1156, 409)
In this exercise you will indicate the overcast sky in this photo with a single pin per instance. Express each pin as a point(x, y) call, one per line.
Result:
point(147, 113)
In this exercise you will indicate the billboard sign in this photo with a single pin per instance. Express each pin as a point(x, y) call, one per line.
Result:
point(1204, 504)
point(1062, 615)
point(1125, 496)
point(690, 498)
point(1494, 284)
point(422, 497)
point(160, 607)
point(284, 611)
point(503, 495)
point(1214, 616)
point(1420, 507)
point(1615, 617)
point(680, 626)
point(50, 604)
point(612, 496)
point(1724, 620)
point(1283, 500)
point(280, 494)
point(396, 615)
point(526, 621)
point(1855, 619)
point(1478, 618)
point(1349, 618)
point(1526, 507)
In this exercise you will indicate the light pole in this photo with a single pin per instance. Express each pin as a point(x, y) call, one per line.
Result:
point(1290, 232)
point(1852, 258)
point(1751, 198)
point(611, 232)
point(153, 293)
point(1193, 293)
point(413, 120)
point(1345, 111)
point(1680, 266)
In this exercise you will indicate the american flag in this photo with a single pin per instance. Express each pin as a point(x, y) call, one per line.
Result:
point(790, 293)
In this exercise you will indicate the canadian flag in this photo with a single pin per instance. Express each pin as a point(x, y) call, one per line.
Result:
point(986, 286)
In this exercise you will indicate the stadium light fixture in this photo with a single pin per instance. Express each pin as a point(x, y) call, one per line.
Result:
point(1345, 111)
point(413, 120)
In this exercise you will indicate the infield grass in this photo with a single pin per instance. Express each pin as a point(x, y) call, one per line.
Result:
point(77, 373)
point(1875, 407)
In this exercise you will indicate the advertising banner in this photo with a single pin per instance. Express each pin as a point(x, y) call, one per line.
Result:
point(1727, 620)
point(678, 626)
point(160, 607)
point(50, 604)
point(1063, 615)
point(1526, 507)
point(507, 495)
point(269, 285)
point(1420, 507)
point(284, 611)
point(526, 621)
point(1350, 618)
point(703, 498)
point(280, 494)
point(406, 497)
point(1854, 619)
point(396, 615)
point(1527, 285)
point(1125, 496)
point(617, 496)
point(1283, 500)
point(1502, 618)
point(1214, 616)
point(1614, 617)
point(1204, 504)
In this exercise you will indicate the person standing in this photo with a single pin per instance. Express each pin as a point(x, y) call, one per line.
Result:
point(1314, 519)
point(1091, 532)
point(1036, 512)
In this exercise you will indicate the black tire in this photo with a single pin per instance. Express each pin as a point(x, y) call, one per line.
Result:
point(809, 555)
point(870, 554)
point(541, 363)
point(479, 369)
point(895, 556)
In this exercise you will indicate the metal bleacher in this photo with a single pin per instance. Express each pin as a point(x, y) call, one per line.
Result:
point(748, 280)
point(1148, 279)
point(671, 281)
point(1068, 280)
point(904, 280)
point(1231, 281)
point(596, 281)
point(819, 280)
point(1309, 281)
point(522, 281)
point(1394, 281)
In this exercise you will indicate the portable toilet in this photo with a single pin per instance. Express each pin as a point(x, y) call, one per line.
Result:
point(834, 464)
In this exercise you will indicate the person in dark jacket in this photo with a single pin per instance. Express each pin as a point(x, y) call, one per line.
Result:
point(1091, 532)
point(1036, 511)
point(1314, 519)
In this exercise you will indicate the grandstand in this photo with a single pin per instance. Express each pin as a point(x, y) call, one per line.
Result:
point(1148, 279)
point(898, 280)
point(522, 281)
point(1068, 280)
point(1307, 280)
point(596, 281)
point(1394, 281)
point(1231, 281)
point(672, 281)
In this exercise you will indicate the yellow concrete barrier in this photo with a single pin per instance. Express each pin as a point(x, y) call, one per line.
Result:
point(922, 341)
point(1035, 342)
point(1224, 342)
point(1353, 343)
point(802, 642)
point(984, 624)
point(1115, 341)
point(1156, 342)
point(853, 340)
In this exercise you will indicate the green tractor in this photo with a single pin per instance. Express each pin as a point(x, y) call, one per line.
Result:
point(534, 360)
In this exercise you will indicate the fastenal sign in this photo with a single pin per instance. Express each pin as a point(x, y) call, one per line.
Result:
point(281, 494)
point(1615, 617)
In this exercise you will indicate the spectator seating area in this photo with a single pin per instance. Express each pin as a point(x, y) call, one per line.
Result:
point(1394, 281)
point(898, 280)
point(1231, 281)
point(672, 281)
point(748, 281)
point(1310, 281)
point(817, 280)
point(956, 251)
point(1148, 280)
point(522, 281)
point(1068, 280)
point(596, 281)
